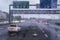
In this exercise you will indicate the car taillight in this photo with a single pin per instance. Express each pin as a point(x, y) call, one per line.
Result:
point(46, 23)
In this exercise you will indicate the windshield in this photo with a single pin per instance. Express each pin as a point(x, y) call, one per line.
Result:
point(29, 19)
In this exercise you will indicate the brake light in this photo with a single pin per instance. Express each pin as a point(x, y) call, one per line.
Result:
point(46, 23)
point(43, 22)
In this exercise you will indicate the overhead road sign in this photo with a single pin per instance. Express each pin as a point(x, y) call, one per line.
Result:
point(48, 3)
point(20, 4)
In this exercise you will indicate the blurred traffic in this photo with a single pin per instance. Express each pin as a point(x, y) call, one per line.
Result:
point(26, 21)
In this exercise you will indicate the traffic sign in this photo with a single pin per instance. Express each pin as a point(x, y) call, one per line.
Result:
point(20, 4)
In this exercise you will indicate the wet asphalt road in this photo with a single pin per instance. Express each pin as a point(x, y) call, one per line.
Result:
point(4, 34)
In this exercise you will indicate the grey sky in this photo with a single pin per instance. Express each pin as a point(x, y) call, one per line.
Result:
point(4, 4)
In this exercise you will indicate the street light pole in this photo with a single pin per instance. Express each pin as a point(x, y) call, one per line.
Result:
point(10, 14)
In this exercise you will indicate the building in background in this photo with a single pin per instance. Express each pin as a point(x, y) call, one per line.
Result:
point(48, 3)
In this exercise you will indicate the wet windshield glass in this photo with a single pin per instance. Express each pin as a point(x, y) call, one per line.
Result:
point(29, 19)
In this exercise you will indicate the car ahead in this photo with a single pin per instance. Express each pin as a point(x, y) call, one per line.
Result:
point(32, 30)
point(12, 29)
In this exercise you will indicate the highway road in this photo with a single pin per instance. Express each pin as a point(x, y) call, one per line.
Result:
point(4, 34)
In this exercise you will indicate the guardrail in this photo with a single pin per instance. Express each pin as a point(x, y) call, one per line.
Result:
point(4, 22)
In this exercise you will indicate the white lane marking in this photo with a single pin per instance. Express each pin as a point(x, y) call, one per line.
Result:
point(46, 35)
point(35, 34)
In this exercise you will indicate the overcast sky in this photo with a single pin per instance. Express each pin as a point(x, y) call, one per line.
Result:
point(4, 4)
